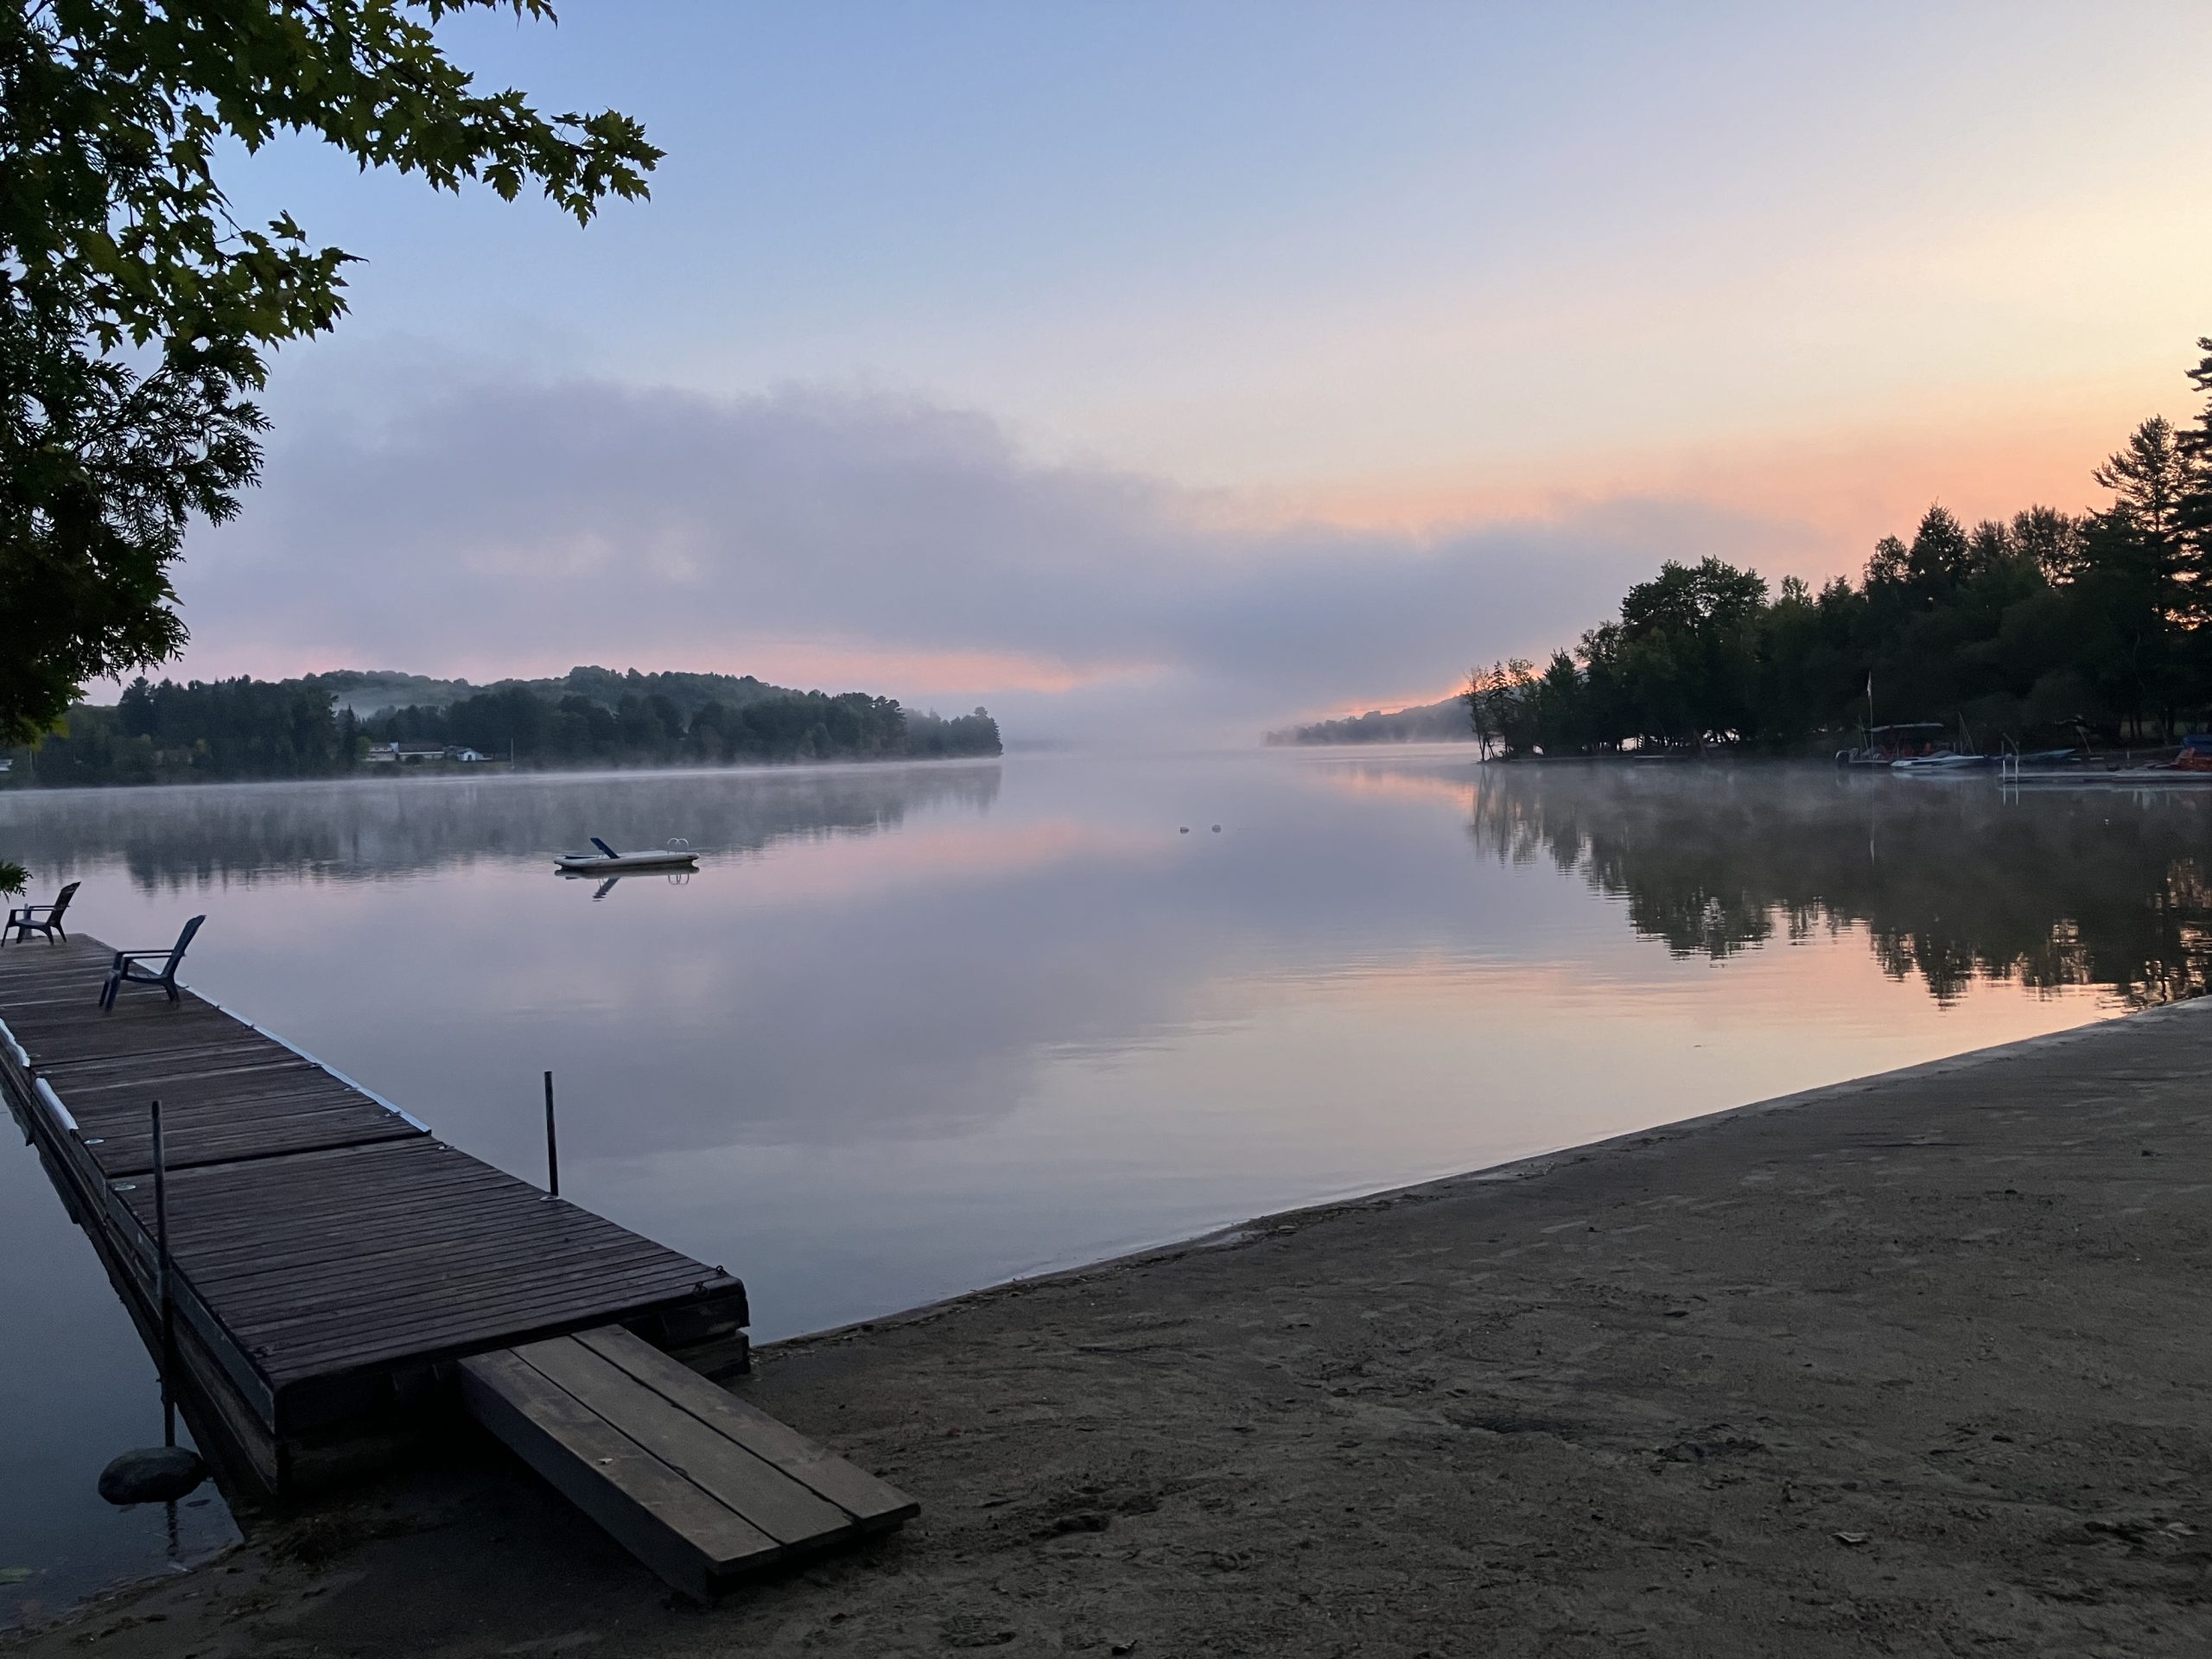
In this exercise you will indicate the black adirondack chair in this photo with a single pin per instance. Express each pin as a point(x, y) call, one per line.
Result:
point(149, 967)
point(42, 919)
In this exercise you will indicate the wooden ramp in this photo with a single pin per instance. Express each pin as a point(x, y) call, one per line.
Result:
point(697, 1484)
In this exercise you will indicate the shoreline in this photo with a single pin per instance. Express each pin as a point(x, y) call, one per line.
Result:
point(484, 771)
point(1231, 1234)
point(1555, 1405)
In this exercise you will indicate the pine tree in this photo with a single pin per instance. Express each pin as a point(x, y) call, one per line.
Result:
point(1940, 557)
point(2148, 480)
point(2193, 512)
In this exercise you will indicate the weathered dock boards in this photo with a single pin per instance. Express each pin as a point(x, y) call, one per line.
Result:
point(697, 1484)
point(331, 1257)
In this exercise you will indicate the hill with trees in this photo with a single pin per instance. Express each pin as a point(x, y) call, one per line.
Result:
point(1429, 722)
point(165, 732)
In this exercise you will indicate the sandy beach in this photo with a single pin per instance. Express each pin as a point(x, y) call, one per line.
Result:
point(1916, 1364)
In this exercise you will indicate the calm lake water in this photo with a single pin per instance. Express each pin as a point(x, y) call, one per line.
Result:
point(912, 1030)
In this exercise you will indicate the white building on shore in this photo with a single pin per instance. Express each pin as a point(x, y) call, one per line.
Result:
point(420, 755)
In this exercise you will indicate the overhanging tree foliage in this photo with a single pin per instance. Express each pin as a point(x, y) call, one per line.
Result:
point(136, 313)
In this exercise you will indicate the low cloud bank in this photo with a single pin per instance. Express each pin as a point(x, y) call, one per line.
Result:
point(498, 526)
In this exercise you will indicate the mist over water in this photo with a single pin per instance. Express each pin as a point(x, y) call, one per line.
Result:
point(914, 1029)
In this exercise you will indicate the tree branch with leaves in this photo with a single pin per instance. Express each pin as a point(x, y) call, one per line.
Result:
point(137, 314)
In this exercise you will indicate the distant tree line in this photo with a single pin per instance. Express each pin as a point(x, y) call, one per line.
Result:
point(653, 727)
point(379, 691)
point(1432, 722)
point(294, 728)
point(2047, 627)
point(203, 729)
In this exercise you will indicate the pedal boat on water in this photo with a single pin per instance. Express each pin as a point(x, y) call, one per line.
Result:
point(677, 855)
point(1943, 760)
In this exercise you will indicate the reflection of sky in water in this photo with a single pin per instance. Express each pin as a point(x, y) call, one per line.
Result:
point(911, 1030)
point(76, 1387)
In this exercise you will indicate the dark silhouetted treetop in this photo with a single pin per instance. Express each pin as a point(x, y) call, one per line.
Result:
point(136, 311)
point(2149, 479)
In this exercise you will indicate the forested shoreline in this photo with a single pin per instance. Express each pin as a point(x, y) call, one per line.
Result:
point(2049, 627)
point(240, 728)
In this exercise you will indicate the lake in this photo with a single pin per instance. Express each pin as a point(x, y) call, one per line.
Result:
point(914, 1029)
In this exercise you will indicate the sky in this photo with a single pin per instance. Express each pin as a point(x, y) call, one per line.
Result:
point(1137, 368)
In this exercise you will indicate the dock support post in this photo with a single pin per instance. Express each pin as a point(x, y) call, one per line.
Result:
point(161, 1281)
point(552, 1144)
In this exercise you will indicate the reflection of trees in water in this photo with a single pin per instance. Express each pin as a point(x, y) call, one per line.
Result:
point(1952, 882)
point(370, 828)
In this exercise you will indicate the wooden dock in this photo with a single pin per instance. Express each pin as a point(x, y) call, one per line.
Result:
point(340, 1277)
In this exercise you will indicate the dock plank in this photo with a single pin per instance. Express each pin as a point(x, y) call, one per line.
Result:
point(871, 1502)
point(225, 1076)
point(510, 1277)
point(199, 1131)
point(570, 1410)
point(768, 1498)
point(518, 1262)
point(683, 1534)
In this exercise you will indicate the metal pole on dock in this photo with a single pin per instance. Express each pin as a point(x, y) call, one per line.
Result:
point(552, 1144)
point(161, 1280)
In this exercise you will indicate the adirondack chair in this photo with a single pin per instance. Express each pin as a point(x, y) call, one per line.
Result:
point(138, 967)
point(26, 921)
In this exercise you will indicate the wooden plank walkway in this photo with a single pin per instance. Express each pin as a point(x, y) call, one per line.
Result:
point(697, 1484)
point(331, 1256)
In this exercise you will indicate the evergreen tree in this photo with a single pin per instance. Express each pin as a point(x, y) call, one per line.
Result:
point(1940, 559)
point(2149, 479)
point(2193, 511)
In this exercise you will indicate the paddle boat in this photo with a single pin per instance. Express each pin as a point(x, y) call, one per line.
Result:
point(1887, 745)
point(1943, 760)
point(2191, 766)
point(677, 855)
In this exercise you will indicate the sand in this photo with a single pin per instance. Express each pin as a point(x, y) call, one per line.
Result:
point(1914, 1365)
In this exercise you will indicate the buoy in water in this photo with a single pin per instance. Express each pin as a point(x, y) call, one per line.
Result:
point(1217, 829)
point(1185, 830)
point(155, 1474)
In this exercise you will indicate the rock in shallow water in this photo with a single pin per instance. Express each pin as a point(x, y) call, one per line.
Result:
point(155, 1475)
